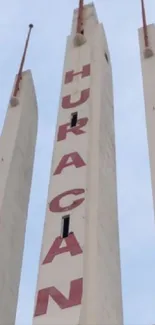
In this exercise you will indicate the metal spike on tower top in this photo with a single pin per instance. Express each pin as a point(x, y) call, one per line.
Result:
point(147, 48)
point(79, 37)
point(146, 39)
point(14, 100)
point(80, 27)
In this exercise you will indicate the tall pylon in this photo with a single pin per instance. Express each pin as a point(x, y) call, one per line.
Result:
point(17, 150)
point(79, 279)
point(148, 76)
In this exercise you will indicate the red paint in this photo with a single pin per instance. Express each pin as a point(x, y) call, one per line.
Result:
point(72, 246)
point(72, 158)
point(66, 100)
point(85, 72)
point(75, 296)
point(66, 128)
point(55, 206)
point(79, 28)
point(19, 75)
point(146, 39)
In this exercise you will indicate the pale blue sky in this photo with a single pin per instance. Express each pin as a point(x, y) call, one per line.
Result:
point(52, 20)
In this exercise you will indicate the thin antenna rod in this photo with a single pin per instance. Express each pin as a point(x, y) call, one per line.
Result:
point(80, 18)
point(19, 76)
point(146, 39)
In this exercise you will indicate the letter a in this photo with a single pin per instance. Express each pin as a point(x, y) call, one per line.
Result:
point(76, 160)
point(72, 246)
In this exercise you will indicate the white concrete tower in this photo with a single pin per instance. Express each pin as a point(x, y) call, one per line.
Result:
point(147, 54)
point(79, 275)
point(17, 148)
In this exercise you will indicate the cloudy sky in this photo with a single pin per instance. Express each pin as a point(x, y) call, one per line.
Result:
point(52, 20)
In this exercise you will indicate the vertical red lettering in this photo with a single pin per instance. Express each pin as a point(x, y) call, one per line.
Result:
point(72, 158)
point(55, 206)
point(72, 246)
point(85, 72)
point(75, 296)
point(66, 128)
point(66, 100)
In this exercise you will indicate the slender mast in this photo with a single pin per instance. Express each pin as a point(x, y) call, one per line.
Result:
point(80, 29)
point(146, 39)
point(19, 75)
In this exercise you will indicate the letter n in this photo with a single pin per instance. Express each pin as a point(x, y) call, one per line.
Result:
point(74, 299)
